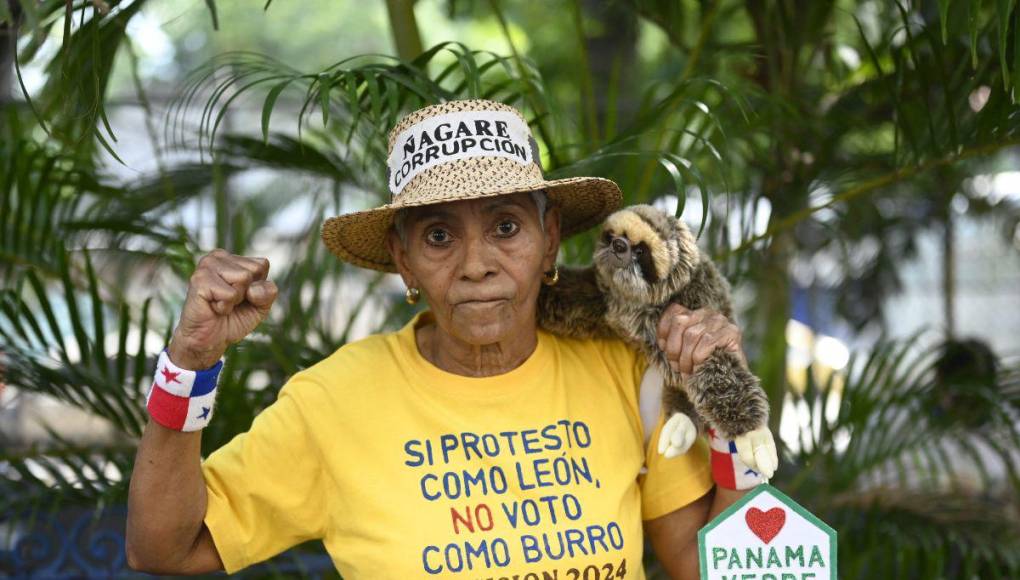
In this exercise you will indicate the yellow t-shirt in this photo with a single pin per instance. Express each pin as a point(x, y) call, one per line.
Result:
point(407, 471)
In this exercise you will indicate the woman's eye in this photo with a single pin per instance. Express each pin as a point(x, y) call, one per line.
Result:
point(437, 236)
point(507, 228)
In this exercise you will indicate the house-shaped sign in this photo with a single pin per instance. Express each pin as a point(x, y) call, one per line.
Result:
point(767, 536)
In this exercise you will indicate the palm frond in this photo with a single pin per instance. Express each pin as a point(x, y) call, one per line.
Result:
point(884, 441)
point(363, 96)
point(71, 106)
point(907, 533)
point(679, 130)
point(56, 343)
point(62, 475)
point(50, 203)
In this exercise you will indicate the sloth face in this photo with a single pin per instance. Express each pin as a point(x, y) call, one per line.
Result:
point(645, 254)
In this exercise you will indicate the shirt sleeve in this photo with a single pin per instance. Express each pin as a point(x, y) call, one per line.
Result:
point(265, 488)
point(672, 483)
point(669, 484)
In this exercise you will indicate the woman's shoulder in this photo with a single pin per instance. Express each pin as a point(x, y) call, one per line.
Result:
point(609, 346)
point(339, 385)
point(358, 359)
point(615, 353)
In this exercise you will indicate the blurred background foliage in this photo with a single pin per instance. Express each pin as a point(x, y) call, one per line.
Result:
point(138, 135)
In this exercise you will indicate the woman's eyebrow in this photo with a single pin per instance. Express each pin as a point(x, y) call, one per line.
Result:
point(433, 214)
point(499, 204)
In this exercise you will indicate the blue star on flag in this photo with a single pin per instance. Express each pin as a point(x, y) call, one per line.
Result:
point(205, 413)
point(749, 470)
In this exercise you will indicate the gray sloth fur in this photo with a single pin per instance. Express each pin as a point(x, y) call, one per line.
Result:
point(624, 295)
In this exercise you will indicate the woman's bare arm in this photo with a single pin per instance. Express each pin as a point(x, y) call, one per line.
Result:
point(674, 536)
point(166, 506)
point(228, 296)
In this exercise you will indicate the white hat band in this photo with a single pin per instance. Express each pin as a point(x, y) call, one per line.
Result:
point(458, 135)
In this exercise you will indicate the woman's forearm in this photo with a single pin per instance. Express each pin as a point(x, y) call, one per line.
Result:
point(674, 537)
point(166, 500)
point(723, 499)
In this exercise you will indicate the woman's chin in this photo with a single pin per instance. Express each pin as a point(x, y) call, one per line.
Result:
point(483, 322)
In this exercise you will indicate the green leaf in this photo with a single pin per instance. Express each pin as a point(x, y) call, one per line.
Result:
point(122, 349)
point(226, 105)
point(212, 13)
point(109, 149)
point(1016, 56)
point(56, 332)
point(944, 19)
point(372, 81)
point(98, 325)
point(269, 103)
point(887, 81)
point(973, 26)
point(1003, 8)
point(141, 369)
point(324, 86)
point(28, 97)
point(74, 315)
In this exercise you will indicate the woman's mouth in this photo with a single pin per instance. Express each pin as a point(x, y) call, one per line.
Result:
point(482, 304)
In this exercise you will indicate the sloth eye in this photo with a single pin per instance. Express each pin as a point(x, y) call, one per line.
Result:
point(607, 237)
point(638, 251)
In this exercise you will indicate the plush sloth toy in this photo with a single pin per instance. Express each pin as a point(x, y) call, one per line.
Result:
point(644, 261)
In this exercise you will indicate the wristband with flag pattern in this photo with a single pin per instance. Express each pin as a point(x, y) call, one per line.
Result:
point(727, 469)
point(182, 399)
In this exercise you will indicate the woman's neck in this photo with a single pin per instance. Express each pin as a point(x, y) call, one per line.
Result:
point(462, 358)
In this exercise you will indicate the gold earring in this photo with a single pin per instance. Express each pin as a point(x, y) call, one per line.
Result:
point(412, 295)
point(551, 279)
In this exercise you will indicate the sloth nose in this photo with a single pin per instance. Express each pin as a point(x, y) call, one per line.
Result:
point(620, 246)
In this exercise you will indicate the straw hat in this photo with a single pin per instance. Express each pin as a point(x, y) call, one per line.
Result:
point(463, 150)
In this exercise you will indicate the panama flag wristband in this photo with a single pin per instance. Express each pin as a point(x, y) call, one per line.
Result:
point(180, 399)
point(727, 469)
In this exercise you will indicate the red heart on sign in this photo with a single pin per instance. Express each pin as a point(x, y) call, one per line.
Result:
point(765, 525)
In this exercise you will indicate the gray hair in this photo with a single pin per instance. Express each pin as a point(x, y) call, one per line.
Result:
point(539, 196)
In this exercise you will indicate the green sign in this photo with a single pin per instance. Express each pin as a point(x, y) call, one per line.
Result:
point(767, 536)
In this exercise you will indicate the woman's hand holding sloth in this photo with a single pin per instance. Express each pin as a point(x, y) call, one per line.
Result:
point(688, 338)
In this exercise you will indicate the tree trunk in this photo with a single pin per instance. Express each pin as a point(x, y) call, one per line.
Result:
point(772, 315)
point(404, 27)
point(949, 274)
point(8, 47)
point(612, 56)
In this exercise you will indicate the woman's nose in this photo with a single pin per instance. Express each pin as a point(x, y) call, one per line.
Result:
point(478, 259)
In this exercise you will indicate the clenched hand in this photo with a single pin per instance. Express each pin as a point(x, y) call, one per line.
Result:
point(228, 297)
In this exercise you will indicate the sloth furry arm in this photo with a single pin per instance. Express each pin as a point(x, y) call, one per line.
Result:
point(707, 289)
point(574, 306)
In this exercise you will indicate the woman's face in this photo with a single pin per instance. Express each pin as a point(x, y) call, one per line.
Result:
point(479, 263)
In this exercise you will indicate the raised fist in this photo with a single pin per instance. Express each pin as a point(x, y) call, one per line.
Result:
point(228, 296)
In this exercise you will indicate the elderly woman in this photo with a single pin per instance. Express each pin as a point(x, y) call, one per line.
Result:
point(470, 443)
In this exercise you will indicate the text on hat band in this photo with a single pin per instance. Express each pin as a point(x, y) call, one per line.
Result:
point(459, 135)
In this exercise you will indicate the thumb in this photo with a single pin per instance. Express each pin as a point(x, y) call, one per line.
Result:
point(261, 294)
